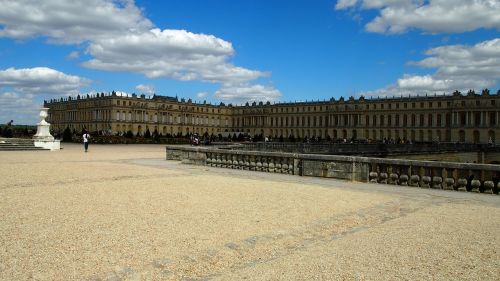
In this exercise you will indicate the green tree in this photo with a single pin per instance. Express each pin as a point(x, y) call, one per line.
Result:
point(67, 135)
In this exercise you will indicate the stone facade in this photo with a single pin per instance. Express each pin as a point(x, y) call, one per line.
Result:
point(113, 114)
point(448, 118)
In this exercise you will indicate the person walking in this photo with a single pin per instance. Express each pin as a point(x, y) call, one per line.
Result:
point(86, 139)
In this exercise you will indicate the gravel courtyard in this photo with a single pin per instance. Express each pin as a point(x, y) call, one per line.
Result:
point(122, 212)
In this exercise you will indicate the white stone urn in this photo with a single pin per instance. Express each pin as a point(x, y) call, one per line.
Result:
point(43, 138)
point(43, 127)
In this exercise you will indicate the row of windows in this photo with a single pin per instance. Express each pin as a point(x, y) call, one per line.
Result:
point(430, 120)
point(170, 106)
point(405, 105)
point(169, 118)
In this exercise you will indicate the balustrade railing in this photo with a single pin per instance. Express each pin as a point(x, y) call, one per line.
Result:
point(470, 177)
point(439, 175)
point(251, 161)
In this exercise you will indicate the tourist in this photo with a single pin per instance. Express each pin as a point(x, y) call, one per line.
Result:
point(8, 129)
point(86, 138)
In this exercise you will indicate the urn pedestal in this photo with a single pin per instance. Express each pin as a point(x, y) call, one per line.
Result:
point(43, 138)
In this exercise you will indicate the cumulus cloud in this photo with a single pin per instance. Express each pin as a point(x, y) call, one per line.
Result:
point(41, 80)
point(118, 37)
point(73, 55)
point(458, 67)
point(435, 16)
point(175, 54)
point(19, 89)
point(21, 108)
point(246, 92)
point(69, 21)
point(202, 95)
point(147, 89)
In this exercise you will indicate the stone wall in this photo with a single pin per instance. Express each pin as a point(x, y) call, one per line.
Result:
point(447, 152)
point(426, 174)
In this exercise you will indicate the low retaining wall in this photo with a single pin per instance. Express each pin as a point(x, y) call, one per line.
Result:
point(426, 174)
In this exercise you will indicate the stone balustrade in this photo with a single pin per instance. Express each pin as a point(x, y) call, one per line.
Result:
point(470, 177)
point(366, 149)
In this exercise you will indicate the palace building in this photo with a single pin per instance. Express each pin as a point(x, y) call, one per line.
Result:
point(458, 117)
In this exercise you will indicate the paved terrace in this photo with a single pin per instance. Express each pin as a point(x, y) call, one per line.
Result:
point(124, 213)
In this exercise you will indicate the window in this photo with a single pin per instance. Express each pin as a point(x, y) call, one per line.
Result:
point(463, 119)
point(477, 118)
point(492, 119)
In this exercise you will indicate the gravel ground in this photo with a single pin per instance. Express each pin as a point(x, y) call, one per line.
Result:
point(124, 213)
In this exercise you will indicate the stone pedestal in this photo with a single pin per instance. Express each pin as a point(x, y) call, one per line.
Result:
point(43, 138)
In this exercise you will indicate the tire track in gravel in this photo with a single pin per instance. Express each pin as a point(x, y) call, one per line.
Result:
point(253, 250)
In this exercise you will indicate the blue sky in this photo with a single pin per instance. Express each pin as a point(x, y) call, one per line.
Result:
point(238, 51)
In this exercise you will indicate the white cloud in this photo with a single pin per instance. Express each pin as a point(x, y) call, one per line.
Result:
point(73, 55)
point(458, 67)
point(41, 80)
point(175, 54)
point(119, 37)
point(344, 4)
point(146, 89)
point(70, 21)
point(244, 92)
point(202, 95)
point(433, 16)
point(18, 107)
